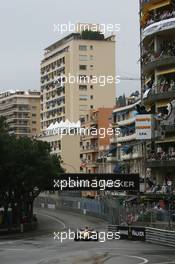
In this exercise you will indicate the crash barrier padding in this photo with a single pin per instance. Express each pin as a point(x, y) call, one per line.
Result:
point(161, 237)
point(129, 232)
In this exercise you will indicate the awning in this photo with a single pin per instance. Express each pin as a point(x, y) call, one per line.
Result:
point(112, 149)
point(172, 70)
point(154, 4)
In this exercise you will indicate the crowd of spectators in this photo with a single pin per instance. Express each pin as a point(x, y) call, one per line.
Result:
point(159, 16)
point(154, 187)
point(167, 49)
point(162, 155)
point(163, 85)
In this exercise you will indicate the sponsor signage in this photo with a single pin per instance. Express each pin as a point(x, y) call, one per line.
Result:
point(134, 233)
point(144, 127)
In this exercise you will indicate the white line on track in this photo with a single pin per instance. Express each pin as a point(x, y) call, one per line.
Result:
point(13, 249)
point(169, 262)
point(144, 260)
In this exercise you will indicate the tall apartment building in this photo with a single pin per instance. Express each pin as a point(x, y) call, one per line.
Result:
point(93, 145)
point(22, 112)
point(66, 90)
point(157, 22)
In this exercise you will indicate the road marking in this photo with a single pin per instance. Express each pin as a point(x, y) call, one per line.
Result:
point(166, 262)
point(13, 249)
point(144, 259)
point(53, 218)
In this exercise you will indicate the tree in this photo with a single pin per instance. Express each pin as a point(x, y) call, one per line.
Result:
point(92, 35)
point(26, 169)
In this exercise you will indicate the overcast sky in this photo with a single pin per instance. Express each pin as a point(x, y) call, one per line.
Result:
point(27, 28)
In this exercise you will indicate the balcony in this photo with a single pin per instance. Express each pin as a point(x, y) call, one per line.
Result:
point(125, 122)
point(160, 163)
point(137, 155)
point(89, 149)
point(126, 157)
point(91, 164)
point(167, 24)
point(88, 137)
point(161, 159)
point(169, 129)
point(158, 96)
point(126, 138)
point(112, 159)
point(56, 150)
point(163, 61)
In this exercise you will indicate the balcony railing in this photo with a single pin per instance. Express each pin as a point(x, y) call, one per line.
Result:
point(160, 92)
point(126, 138)
point(162, 159)
point(160, 16)
point(158, 27)
point(163, 60)
point(90, 148)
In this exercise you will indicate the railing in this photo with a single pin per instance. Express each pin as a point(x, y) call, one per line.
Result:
point(161, 237)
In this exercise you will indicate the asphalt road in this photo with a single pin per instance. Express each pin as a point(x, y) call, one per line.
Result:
point(41, 248)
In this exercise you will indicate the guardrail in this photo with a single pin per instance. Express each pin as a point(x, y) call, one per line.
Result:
point(148, 234)
point(161, 237)
point(135, 233)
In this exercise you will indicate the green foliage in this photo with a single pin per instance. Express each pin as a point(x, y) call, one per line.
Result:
point(26, 168)
point(92, 35)
point(121, 101)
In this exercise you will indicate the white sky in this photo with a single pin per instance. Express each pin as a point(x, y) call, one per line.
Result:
point(27, 28)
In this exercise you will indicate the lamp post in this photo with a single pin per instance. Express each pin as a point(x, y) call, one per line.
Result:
point(169, 183)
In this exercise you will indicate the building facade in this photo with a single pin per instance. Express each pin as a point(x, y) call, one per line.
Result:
point(157, 22)
point(92, 145)
point(68, 89)
point(22, 112)
point(126, 155)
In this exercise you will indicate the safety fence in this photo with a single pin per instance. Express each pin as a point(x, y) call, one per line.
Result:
point(151, 235)
point(106, 210)
point(112, 210)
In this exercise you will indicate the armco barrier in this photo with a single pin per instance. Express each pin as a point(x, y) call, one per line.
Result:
point(129, 232)
point(161, 237)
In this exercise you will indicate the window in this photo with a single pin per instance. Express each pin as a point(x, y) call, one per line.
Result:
point(91, 87)
point(83, 87)
point(91, 67)
point(91, 57)
point(83, 67)
point(91, 47)
point(83, 97)
point(83, 57)
point(82, 78)
point(82, 47)
point(92, 106)
point(91, 97)
point(83, 107)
